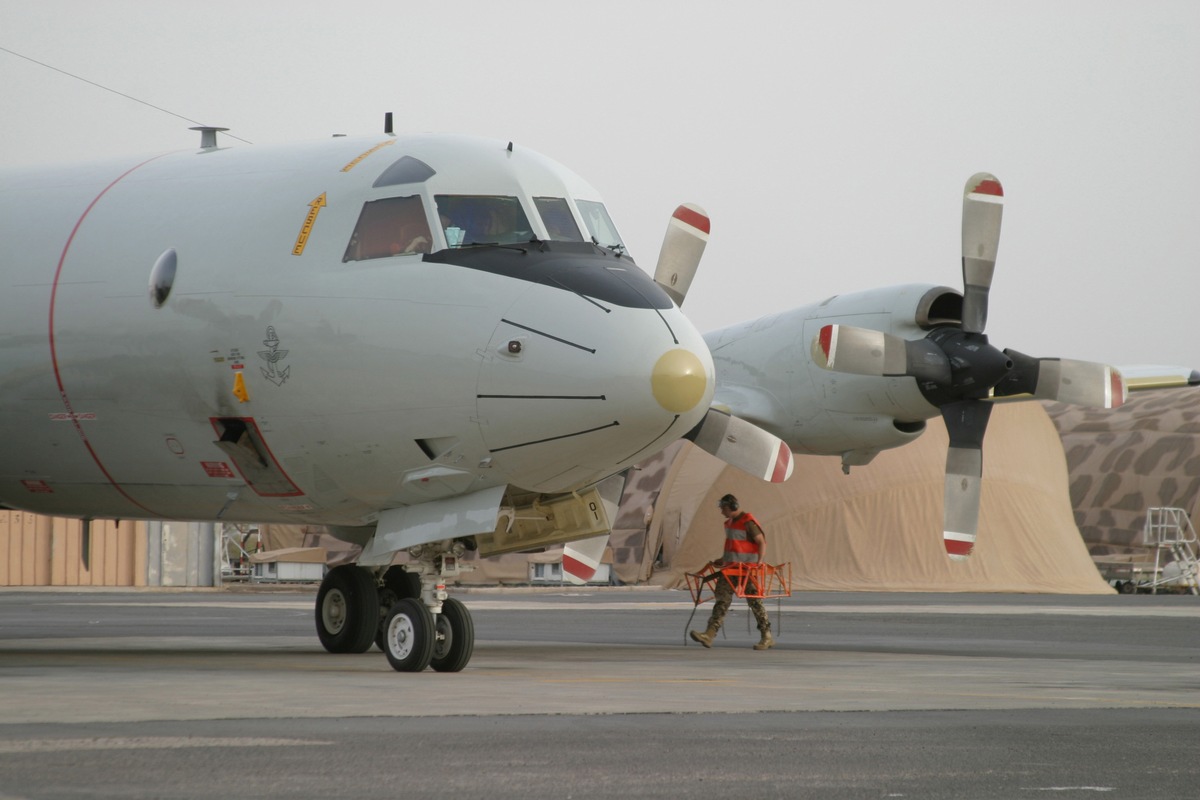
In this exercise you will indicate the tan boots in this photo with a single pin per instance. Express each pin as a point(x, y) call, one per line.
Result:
point(705, 638)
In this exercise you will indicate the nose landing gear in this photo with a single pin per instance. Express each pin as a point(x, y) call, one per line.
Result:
point(405, 611)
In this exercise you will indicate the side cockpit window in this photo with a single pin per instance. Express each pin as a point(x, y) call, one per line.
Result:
point(392, 226)
point(556, 216)
point(482, 219)
point(599, 225)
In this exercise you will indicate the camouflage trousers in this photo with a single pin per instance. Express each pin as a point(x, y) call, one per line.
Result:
point(723, 591)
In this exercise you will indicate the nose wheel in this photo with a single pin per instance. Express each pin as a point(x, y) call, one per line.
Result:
point(455, 637)
point(408, 636)
point(423, 627)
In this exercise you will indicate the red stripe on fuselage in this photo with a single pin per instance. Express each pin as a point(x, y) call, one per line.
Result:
point(62, 391)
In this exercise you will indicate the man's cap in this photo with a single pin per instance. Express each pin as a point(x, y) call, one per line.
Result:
point(728, 501)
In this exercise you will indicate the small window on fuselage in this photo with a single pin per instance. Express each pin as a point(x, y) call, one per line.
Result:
point(393, 226)
point(556, 216)
point(482, 219)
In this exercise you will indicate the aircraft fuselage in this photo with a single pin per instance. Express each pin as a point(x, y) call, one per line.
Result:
point(313, 358)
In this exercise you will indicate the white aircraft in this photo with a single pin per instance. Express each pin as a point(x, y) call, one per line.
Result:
point(432, 344)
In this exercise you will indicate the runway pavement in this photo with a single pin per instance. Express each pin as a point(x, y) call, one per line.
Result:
point(593, 693)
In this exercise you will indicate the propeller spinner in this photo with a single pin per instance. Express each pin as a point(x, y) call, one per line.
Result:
point(959, 372)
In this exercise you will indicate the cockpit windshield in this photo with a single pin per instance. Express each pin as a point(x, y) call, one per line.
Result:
point(392, 226)
point(556, 216)
point(482, 219)
point(600, 225)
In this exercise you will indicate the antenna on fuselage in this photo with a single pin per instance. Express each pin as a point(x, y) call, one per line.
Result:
point(208, 136)
point(387, 123)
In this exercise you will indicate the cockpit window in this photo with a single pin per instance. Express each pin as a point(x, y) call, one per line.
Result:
point(482, 219)
point(556, 215)
point(600, 225)
point(390, 227)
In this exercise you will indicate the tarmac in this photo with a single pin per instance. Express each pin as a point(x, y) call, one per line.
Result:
point(598, 693)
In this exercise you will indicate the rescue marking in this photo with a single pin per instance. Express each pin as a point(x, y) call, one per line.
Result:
point(314, 208)
point(73, 416)
point(374, 149)
point(217, 469)
point(37, 487)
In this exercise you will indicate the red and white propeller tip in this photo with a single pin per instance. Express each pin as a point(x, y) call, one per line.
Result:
point(683, 246)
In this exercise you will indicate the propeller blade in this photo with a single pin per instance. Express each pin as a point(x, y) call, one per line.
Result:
point(683, 245)
point(1082, 383)
point(863, 351)
point(581, 559)
point(983, 207)
point(743, 445)
point(966, 422)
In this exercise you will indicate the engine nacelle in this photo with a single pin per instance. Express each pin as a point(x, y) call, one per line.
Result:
point(766, 373)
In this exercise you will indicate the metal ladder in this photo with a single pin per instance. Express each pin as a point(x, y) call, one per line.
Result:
point(1170, 530)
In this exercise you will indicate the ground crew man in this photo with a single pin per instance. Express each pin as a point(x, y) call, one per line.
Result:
point(744, 542)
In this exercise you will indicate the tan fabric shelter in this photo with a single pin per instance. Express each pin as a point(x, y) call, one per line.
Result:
point(880, 528)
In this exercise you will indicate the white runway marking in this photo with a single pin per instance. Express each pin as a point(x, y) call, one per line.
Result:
point(143, 743)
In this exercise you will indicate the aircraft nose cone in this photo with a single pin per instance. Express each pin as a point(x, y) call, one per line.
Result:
point(678, 381)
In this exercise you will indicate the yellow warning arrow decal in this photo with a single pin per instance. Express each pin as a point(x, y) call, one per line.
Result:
point(314, 208)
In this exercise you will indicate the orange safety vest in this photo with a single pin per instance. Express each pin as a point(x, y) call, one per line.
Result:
point(738, 546)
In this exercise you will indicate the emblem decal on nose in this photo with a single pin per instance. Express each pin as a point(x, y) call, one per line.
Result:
point(273, 356)
point(678, 381)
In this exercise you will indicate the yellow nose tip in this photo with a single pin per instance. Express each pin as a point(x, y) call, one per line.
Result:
point(678, 381)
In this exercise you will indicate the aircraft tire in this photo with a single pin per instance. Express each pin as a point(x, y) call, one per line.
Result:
point(347, 612)
point(408, 636)
point(453, 650)
point(397, 583)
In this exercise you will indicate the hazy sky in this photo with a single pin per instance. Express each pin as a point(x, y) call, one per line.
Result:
point(829, 142)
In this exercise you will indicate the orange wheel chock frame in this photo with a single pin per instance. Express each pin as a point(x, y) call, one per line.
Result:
point(761, 581)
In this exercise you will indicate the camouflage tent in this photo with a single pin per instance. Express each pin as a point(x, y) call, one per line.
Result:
point(1121, 462)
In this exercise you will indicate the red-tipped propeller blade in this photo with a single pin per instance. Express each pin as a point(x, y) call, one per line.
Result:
point(683, 245)
point(983, 207)
point(1082, 383)
point(966, 422)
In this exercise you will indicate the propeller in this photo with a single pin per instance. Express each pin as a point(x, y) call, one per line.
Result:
point(735, 441)
point(960, 373)
point(683, 245)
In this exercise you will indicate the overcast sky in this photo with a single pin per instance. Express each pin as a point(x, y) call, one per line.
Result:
point(828, 141)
